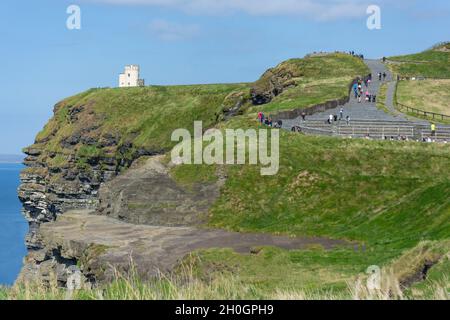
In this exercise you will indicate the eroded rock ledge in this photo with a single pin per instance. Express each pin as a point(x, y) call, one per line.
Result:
point(147, 194)
point(100, 245)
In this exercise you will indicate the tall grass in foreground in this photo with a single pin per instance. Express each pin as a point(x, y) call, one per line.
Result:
point(185, 286)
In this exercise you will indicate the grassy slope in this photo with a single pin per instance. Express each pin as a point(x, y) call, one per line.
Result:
point(144, 116)
point(427, 95)
point(381, 101)
point(385, 195)
point(434, 63)
point(318, 79)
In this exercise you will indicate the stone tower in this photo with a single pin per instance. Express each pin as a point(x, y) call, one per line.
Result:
point(130, 77)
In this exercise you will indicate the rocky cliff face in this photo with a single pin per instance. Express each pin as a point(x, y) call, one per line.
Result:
point(145, 194)
point(68, 162)
point(95, 136)
point(273, 82)
point(46, 191)
point(54, 182)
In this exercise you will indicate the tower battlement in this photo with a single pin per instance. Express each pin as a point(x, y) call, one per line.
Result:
point(130, 77)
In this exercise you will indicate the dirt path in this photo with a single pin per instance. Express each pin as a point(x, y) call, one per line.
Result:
point(78, 234)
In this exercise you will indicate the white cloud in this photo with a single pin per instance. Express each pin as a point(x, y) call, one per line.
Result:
point(316, 9)
point(169, 31)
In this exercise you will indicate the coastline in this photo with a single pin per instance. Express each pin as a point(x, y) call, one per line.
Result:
point(13, 226)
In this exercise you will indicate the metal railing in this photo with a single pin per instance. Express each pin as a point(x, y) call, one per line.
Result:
point(313, 131)
point(355, 131)
point(423, 113)
point(377, 131)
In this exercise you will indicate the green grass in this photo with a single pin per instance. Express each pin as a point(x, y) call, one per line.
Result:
point(190, 175)
point(307, 94)
point(385, 196)
point(89, 152)
point(426, 95)
point(3, 293)
point(381, 100)
point(270, 274)
point(431, 64)
point(275, 269)
point(326, 185)
point(145, 116)
point(313, 80)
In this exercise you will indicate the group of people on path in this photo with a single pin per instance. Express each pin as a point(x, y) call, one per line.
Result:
point(360, 91)
point(262, 119)
point(334, 118)
point(354, 54)
point(382, 76)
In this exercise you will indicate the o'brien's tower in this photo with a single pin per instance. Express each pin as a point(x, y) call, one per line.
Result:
point(130, 77)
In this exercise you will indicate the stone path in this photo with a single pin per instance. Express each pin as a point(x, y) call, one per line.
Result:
point(367, 119)
point(363, 110)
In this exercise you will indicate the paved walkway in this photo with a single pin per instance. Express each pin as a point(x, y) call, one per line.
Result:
point(364, 110)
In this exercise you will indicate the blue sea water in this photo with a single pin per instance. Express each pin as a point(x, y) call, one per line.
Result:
point(13, 226)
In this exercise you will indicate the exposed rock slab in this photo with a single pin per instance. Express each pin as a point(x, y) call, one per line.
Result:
point(96, 243)
point(147, 194)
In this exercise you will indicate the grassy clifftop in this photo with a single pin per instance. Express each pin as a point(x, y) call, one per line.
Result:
point(430, 94)
point(433, 63)
point(108, 118)
point(108, 122)
point(300, 83)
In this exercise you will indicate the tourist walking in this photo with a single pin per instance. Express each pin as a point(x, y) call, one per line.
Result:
point(341, 113)
point(433, 130)
point(260, 117)
point(330, 119)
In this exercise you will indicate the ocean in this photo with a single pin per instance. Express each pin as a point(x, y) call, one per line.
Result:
point(13, 226)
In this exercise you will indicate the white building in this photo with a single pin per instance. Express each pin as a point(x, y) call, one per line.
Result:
point(130, 77)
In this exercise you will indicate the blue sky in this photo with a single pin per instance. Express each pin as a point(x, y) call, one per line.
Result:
point(182, 42)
